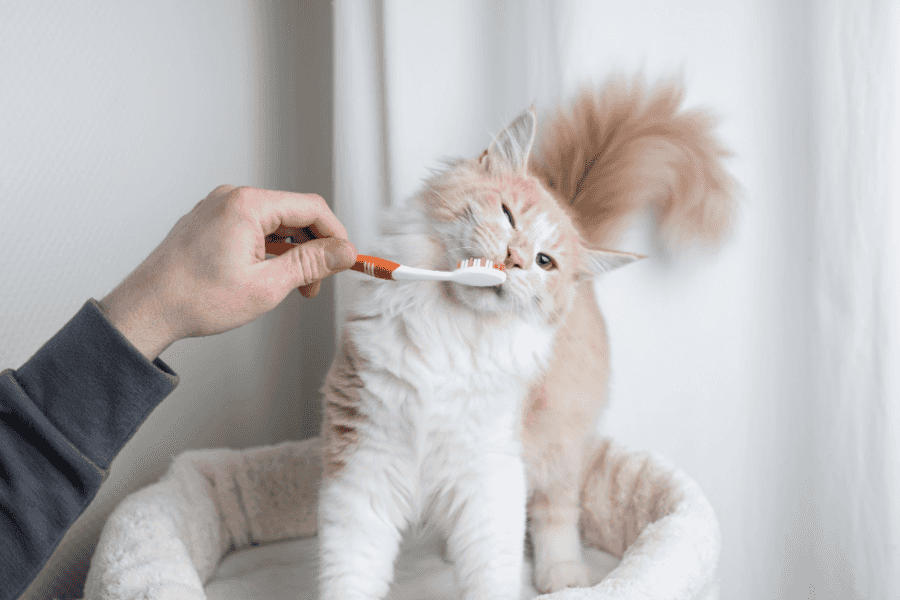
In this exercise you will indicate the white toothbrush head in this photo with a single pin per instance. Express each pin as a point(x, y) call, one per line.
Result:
point(479, 272)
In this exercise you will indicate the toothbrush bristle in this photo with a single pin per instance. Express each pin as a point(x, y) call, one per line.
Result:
point(480, 262)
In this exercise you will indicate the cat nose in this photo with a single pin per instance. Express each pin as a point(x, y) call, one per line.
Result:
point(514, 258)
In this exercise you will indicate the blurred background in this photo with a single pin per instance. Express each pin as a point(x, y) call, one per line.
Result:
point(766, 369)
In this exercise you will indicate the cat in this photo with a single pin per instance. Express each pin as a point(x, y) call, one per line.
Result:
point(468, 408)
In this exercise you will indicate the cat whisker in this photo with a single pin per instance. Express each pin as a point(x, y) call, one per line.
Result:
point(475, 252)
point(463, 247)
point(436, 193)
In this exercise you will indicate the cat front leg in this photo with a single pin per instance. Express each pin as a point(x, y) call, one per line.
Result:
point(360, 525)
point(559, 422)
point(554, 517)
point(487, 529)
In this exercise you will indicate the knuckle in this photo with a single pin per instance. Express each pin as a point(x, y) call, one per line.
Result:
point(296, 268)
point(309, 264)
point(222, 190)
point(307, 267)
point(243, 199)
point(243, 192)
point(319, 202)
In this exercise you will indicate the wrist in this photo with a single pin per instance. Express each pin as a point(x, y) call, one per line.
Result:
point(139, 318)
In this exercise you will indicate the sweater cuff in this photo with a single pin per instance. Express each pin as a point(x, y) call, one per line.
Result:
point(93, 385)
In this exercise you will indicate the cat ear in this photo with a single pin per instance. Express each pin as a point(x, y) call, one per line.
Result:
point(600, 261)
point(509, 152)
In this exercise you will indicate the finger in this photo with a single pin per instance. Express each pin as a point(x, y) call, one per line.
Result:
point(286, 209)
point(306, 264)
point(311, 290)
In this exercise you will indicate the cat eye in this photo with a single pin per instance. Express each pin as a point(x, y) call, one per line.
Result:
point(545, 262)
point(509, 216)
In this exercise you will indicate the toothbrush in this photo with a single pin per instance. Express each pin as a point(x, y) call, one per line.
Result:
point(478, 272)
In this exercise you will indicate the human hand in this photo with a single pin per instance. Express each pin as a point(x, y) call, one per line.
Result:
point(210, 273)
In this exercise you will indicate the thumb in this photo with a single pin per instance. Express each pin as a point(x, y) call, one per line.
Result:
point(306, 264)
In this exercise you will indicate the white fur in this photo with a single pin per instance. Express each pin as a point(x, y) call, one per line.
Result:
point(439, 444)
point(543, 230)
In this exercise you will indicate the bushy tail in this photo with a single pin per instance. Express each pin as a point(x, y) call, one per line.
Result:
point(622, 148)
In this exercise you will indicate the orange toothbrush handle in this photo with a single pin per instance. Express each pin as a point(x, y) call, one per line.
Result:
point(278, 248)
point(370, 265)
point(374, 266)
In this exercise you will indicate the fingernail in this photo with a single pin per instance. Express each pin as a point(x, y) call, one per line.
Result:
point(339, 254)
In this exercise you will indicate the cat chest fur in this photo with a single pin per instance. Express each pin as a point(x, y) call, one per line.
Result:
point(441, 380)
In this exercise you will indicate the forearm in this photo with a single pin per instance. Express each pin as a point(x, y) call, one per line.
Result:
point(64, 415)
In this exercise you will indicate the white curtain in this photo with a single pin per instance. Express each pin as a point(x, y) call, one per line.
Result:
point(855, 276)
point(766, 370)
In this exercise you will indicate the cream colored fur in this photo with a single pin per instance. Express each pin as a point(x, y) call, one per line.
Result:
point(452, 406)
point(615, 152)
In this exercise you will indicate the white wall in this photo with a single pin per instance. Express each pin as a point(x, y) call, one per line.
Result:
point(115, 119)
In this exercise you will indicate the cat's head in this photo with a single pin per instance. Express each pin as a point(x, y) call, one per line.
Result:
point(492, 207)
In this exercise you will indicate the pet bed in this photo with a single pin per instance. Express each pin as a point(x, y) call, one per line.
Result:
point(236, 524)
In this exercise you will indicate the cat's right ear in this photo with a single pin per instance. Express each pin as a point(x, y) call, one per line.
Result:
point(508, 153)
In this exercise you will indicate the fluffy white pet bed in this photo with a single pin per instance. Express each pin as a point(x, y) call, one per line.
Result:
point(228, 524)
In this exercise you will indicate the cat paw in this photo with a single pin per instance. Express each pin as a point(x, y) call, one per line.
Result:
point(562, 575)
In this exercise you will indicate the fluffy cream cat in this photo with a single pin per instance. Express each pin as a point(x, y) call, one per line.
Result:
point(459, 407)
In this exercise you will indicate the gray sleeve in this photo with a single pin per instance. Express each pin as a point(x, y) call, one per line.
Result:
point(64, 415)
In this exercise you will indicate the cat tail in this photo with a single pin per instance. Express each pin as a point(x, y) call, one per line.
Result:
point(621, 149)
